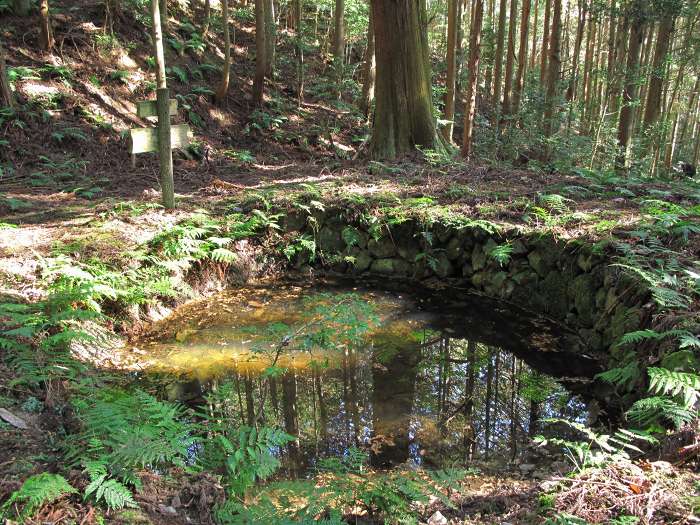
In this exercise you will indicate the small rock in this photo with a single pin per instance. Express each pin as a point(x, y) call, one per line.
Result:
point(527, 467)
point(13, 420)
point(166, 510)
point(437, 519)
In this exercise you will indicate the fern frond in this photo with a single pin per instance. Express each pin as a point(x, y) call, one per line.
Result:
point(651, 410)
point(35, 492)
point(670, 383)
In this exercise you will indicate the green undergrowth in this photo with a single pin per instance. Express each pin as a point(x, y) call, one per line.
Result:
point(154, 434)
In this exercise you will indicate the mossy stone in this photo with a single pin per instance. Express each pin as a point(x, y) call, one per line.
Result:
point(583, 295)
point(383, 266)
point(382, 248)
point(478, 258)
point(443, 266)
point(454, 248)
point(362, 259)
point(553, 288)
point(329, 239)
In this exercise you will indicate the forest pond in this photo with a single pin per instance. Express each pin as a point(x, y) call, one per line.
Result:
point(429, 377)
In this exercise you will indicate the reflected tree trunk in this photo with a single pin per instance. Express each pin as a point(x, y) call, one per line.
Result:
point(487, 405)
point(394, 389)
point(290, 416)
point(469, 431)
point(249, 406)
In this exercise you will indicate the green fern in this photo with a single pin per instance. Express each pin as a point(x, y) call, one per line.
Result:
point(651, 410)
point(35, 492)
point(108, 490)
point(670, 383)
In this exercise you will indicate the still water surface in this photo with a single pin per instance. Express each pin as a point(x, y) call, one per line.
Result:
point(406, 374)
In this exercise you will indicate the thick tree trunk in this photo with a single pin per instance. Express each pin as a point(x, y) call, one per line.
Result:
point(629, 94)
point(369, 70)
point(553, 70)
point(522, 56)
point(46, 39)
point(470, 95)
point(451, 68)
point(545, 42)
point(223, 85)
point(260, 53)
point(510, 59)
point(658, 72)
point(6, 96)
point(403, 114)
point(500, 44)
point(270, 38)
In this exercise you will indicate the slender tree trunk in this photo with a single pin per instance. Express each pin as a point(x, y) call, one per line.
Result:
point(369, 70)
point(164, 16)
point(322, 410)
point(223, 85)
point(474, 59)
point(535, 21)
point(510, 59)
point(588, 58)
point(487, 405)
point(165, 152)
point(571, 92)
point(339, 44)
point(554, 69)
point(545, 42)
point(260, 53)
point(618, 73)
point(46, 39)
point(671, 144)
point(500, 44)
point(451, 68)
point(403, 114)
point(6, 96)
point(692, 103)
point(629, 94)
point(249, 403)
point(522, 56)
point(290, 416)
point(207, 19)
point(270, 38)
point(469, 433)
point(273, 396)
point(658, 72)
point(513, 395)
point(588, 84)
point(298, 28)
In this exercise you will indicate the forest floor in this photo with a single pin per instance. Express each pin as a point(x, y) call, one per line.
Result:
point(67, 188)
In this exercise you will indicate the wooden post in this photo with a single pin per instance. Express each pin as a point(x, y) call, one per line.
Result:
point(165, 153)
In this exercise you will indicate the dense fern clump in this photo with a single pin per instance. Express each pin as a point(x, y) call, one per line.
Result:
point(123, 432)
point(35, 491)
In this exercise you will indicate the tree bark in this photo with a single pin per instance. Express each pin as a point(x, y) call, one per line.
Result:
point(270, 38)
point(487, 405)
point(290, 416)
point(369, 70)
point(510, 58)
point(207, 18)
point(470, 95)
point(522, 56)
point(164, 16)
point(451, 68)
point(500, 44)
point(5, 92)
point(629, 93)
point(470, 440)
point(339, 44)
point(46, 39)
point(571, 91)
point(225, 77)
point(298, 28)
point(536, 19)
point(403, 114)
point(553, 70)
point(545, 42)
point(658, 72)
point(260, 53)
point(21, 7)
